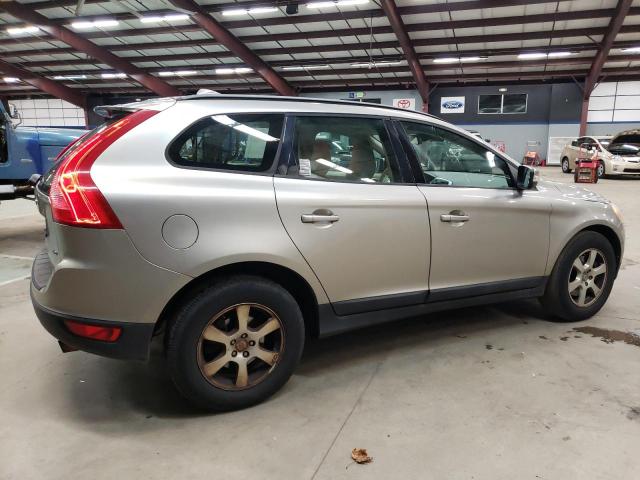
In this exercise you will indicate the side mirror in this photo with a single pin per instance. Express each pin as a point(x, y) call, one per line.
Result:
point(526, 178)
point(13, 111)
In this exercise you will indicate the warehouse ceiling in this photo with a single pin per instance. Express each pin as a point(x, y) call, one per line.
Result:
point(343, 44)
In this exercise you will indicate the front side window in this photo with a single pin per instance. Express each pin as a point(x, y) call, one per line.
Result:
point(244, 142)
point(447, 158)
point(344, 149)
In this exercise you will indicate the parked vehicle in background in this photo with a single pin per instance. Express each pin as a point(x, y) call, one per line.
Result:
point(226, 225)
point(589, 146)
point(625, 153)
point(25, 151)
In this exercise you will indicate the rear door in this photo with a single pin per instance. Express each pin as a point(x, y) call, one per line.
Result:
point(347, 205)
point(486, 236)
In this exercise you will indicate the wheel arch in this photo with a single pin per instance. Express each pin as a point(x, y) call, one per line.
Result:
point(290, 280)
point(610, 235)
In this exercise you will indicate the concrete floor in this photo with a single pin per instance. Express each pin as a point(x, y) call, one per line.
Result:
point(484, 393)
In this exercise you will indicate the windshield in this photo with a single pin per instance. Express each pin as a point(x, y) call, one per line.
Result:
point(625, 144)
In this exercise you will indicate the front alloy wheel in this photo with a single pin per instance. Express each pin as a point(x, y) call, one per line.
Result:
point(588, 277)
point(565, 165)
point(600, 171)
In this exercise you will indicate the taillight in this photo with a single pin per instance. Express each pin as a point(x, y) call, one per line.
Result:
point(94, 332)
point(74, 197)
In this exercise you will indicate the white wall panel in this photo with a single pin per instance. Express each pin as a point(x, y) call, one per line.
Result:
point(627, 116)
point(600, 116)
point(628, 88)
point(626, 102)
point(604, 89)
point(602, 103)
point(49, 112)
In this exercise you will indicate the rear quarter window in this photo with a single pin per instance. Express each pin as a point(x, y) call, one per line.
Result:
point(245, 142)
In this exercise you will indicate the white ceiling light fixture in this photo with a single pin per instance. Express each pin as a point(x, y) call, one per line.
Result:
point(11, 79)
point(457, 60)
point(95, 24)
point(70, 77)
point(23, 30)
point(297, 68)
point(228, 71)
point(503, 89)
point(632, 49)
point(336, 3)
point(172, 17)
point(113, 75)
point(249, 11)
point(177, 73)
point(539, 55)
point(383, 63)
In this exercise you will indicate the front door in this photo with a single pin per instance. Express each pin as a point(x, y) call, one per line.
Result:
point(344, 204)
point(485, 234)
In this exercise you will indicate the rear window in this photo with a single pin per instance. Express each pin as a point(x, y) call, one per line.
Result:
point(244, 142)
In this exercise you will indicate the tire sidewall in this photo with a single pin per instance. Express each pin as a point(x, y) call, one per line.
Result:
point(557, 289)
point(182, 354)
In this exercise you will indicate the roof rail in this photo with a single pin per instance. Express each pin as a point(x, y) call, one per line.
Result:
point(226, 96)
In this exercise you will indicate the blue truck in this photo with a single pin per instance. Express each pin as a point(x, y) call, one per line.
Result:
point(27, 152)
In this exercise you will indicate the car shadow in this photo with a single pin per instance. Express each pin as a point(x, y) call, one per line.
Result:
point(121, 391)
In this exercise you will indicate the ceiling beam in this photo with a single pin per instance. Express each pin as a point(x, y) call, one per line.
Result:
point(45, 84)
point(395, 19)
point(83, 45)
point(231, 42)
point(615, 27)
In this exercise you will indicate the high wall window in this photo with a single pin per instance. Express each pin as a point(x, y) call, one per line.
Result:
point(502, 104)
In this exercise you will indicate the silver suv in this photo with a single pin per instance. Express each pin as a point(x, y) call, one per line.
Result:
point(237, 226)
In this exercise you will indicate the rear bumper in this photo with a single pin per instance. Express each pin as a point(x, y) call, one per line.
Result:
point(133, 343)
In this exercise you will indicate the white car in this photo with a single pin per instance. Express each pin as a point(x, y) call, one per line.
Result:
point(624, 154)
point(572, 150)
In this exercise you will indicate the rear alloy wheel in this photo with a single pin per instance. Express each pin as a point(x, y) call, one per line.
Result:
point(582, 278)
point(565, 165)
point(236, 343)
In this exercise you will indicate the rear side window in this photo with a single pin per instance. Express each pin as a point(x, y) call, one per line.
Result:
point(246, 142)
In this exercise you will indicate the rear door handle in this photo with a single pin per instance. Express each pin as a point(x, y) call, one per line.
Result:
point(319, 218)
point(454, 218)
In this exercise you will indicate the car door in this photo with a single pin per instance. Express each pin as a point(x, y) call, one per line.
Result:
point(486, 235)
point(345, 203)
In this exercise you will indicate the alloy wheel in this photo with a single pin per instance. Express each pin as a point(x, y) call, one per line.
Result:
point(565, 165)
point(588, 277)
point(240, 346)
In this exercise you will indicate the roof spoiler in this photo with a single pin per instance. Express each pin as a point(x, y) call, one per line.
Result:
point(113, 111)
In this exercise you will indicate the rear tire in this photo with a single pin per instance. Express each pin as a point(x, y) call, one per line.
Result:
point(236, 343)
point(563, 297)
point(565, 165)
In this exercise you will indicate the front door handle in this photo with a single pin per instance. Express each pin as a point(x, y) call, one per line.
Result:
point(450, 218)
point(322, 216)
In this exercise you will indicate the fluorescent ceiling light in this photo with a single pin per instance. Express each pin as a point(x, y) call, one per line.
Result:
point(456, 59)
point(69, 77)
point(538, 55)
point(95, 24)
point(503, 89)
point(632, 49)
point(177, 73)
point(558, 54)
point(305, 67)
point(172, 17)
point(114, 75)
point(23, 30)
point(376, 64)
point(11, 79)
point(248, 11)
point(336, 3)
point(227, 71)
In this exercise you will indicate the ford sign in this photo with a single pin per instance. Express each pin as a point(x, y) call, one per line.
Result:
point(453, 104)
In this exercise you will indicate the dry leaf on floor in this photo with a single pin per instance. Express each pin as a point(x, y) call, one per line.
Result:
point(360, 455)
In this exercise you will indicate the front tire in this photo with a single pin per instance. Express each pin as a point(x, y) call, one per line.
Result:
point(236, 343)
point(565, 165)
point(582, 278)
point(601, 172)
